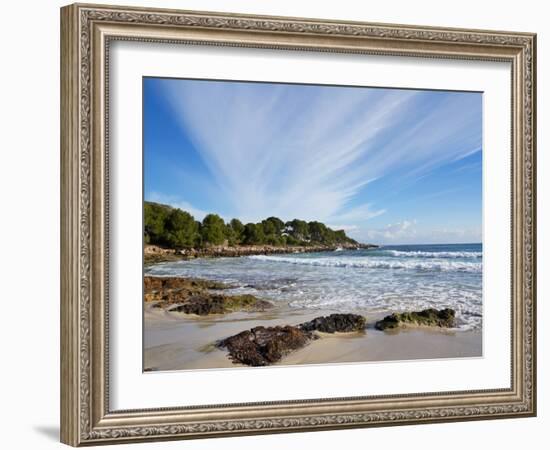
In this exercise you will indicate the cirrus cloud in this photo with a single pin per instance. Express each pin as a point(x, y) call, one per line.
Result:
point(309, 152)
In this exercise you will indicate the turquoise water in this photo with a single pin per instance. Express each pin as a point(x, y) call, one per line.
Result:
point(389, 278)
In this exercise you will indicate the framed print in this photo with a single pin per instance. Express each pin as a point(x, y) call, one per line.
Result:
point(277, 224)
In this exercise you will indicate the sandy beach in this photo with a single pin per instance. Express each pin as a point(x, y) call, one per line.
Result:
point(177, 341)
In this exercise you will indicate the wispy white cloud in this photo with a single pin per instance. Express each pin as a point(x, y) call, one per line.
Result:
point(409, 231)
point(176, 202)
point(343, 227)
point(357, 214)
point(470, 167)
point(393, 231)
point(292, 151)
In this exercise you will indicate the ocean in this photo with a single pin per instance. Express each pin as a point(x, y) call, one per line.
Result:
point(384, 279)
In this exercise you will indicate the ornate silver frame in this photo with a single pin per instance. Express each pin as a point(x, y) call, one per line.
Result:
point(86, 31)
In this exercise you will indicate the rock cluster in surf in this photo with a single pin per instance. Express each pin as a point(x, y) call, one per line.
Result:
point(335, 323)
point(196, 296)
point(444, 318)
point(262, 346)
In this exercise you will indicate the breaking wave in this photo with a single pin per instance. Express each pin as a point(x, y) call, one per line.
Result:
point(422, 254)
point(374, 263)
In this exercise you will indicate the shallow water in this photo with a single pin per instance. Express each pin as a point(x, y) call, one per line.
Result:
point(390, 278)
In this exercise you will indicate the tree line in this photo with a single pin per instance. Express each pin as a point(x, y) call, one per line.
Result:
point(172, 227)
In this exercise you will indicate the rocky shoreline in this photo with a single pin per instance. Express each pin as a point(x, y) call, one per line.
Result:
point(261, 345)
point(197, 296)
point(154, 253)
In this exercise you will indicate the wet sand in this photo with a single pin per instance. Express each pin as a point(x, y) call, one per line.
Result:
point(175, 341)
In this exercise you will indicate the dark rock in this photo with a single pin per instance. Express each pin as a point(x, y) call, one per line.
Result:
point(388, 322)
point(195, 296)
point(206, 303)
point(444, 318)
point(202, 305)
point(341, 323)
point(246, 302)
point(262, 346)
point(164, 283)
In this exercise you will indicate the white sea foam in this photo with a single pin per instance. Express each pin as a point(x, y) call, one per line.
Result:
point(410, 279)
point(422, 254)
point(376, 263)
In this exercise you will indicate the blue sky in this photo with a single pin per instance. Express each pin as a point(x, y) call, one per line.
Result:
point(386, 165)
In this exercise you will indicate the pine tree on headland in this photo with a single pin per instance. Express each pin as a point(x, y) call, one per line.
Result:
point(172, 227)
point(213, 229)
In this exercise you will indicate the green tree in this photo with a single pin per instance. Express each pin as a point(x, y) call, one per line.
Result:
point(230, 235)
point(154, 218)
point(213, 230)
point(253, 234)
point(340, 237)
point(273, 228)
point(273, 225)
point(238, 230)
point(180, 229)
point(291, 240)
point(198, 237)
point(165, 225)
point(298, 229)
point(268, 228)
point(273, 239)
point(318, 232)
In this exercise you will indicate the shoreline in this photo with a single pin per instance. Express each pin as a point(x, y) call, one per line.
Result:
point(178, 335)
point(153, 254)
point(175, 341)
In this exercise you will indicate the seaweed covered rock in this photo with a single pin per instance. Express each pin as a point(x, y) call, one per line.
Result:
point(246, 302)
point(176, 289)
point(202, 305)
point(262, 346)
point(335, 323)
point(444, 318)
point(196, 296)
point(163, 283)
point(206, 303)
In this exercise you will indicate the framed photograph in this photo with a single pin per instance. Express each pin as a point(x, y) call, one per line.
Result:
point(277, 224)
